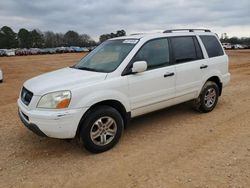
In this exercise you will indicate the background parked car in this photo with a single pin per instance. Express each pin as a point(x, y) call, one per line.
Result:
point(69, 49)
point(47, 51)
point(60, 49)
point(43, 51)
point(79, 49)
point(34, 51)
point(238, 46)
point(22, 51)
point(51, 50)
point(227, 45)
point(247, 46)
point(84, 49)
point(19, 51)
point(2, 53)
point(91, 48)
point(10, 52)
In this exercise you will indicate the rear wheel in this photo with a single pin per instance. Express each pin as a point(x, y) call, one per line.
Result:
point(101, 129)
point(208, 98)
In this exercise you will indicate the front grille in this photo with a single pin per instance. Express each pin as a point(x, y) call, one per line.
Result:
point(26, 96)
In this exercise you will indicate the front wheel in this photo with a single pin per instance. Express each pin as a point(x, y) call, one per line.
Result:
point(208, 98)
point(101, 129)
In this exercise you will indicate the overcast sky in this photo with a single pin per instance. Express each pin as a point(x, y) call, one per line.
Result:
point(95, 17)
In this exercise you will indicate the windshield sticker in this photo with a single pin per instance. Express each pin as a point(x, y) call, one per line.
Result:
point(130, 41)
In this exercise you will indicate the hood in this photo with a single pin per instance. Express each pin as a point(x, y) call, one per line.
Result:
point(62, 79)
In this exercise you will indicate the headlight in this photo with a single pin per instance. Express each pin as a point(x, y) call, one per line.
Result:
point(55, 100)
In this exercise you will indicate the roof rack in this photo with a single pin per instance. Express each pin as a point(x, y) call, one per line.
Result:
point(136, 34)
point(189, 30)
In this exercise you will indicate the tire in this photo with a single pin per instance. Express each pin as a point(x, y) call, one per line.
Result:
point(208, 97)
point(101, 129)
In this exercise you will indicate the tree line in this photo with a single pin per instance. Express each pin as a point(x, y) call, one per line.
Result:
point(234, 40)
point(37, 39)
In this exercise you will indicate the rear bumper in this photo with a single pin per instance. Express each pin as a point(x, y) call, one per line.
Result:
point(1, 76)
point(225, 79)
point(52, 123)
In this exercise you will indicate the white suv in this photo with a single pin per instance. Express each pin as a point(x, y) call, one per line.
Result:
point(123, 78)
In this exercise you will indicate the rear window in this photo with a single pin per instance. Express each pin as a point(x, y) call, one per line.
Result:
point(185, 49)
point(212, 46)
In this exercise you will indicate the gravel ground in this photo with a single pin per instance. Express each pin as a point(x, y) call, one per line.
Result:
point(174, 147)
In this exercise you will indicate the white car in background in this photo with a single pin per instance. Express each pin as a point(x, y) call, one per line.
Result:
point(1, 76)
point(10, 52)
point(238, 46)
point(227, 45)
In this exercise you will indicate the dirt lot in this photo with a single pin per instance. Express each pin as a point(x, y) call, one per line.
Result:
point(175, 147)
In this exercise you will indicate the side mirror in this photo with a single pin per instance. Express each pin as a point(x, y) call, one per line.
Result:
point(139, 66)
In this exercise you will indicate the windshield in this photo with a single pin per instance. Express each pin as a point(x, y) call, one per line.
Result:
point(107, 56)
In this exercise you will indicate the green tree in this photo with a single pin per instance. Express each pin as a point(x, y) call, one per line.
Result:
point(37, 39)
point(234, 40)
point(2, 40)
point(72, 38)
point(59, 37)
point(50, 39)
point(104, 37)
point(118, 33)
point(86, 41)
point(24, 38)
point(8, 38)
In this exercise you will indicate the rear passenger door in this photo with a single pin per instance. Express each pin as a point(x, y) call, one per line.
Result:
point(188, 59)
point(216, 60)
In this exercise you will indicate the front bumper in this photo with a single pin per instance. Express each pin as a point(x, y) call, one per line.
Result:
point(34, 128)
point(52, 123)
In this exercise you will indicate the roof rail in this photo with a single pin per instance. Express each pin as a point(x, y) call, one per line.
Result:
point(189, 30)
point(136, 34)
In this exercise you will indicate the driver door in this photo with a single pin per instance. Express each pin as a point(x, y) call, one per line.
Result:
point(154, 88)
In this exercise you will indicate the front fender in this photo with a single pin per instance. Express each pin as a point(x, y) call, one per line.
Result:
point(92, 98)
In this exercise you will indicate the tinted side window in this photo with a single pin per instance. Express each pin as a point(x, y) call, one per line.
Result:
point(183, 49)
point(155, 53)
point(212, 46)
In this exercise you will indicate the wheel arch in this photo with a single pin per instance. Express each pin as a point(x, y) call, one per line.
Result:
point(112, 103)
point(217, 80)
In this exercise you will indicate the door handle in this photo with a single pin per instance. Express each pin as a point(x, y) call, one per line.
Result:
point(203, 66)
point(168, 74)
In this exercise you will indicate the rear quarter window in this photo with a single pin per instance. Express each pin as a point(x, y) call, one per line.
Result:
point(212, 46)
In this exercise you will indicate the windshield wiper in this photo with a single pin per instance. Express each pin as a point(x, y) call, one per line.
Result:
point(86, 68)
